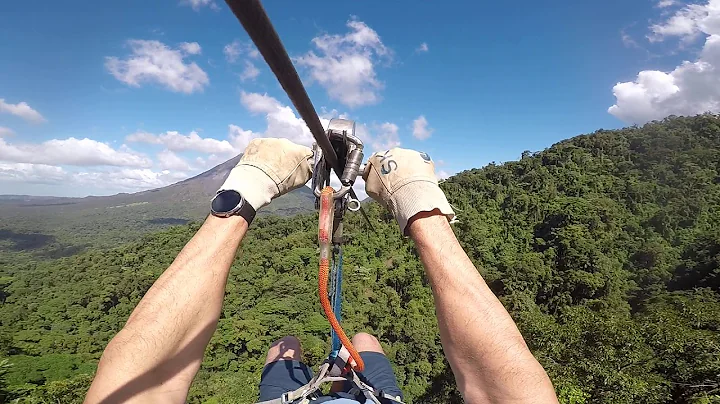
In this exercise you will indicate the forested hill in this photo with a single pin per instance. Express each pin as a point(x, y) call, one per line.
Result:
point(605, 248)
point(51, 227)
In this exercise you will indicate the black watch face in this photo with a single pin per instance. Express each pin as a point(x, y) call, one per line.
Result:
point(226, 201)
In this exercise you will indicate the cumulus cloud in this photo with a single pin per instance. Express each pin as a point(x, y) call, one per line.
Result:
point(281, 121)
point(176, 141)
point(628, 41)
point(421, 130)
point(199, 4)
point(345, 64)
point(21, 110)
point(71, 151)
point(206, 163)
point(232, 51)
point(384, 136)
point(6, 131)
point(689, 22)
point(378, 136)
point(665, 3)
point(168, 160)
point(691, 88)
point(112, 179)
point(236, 48)
point(191, 48)
point(32, 173)
point(422, 48)
point(250, 72)
point(155, 62)
point(128, 179)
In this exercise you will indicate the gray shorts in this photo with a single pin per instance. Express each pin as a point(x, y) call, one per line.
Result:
point(287, 375)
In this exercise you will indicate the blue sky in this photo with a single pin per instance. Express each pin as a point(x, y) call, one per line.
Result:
point(104, 97)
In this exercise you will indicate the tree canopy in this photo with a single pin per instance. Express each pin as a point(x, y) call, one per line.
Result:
point(605, 249)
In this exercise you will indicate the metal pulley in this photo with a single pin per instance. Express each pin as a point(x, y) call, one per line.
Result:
point(349, 150)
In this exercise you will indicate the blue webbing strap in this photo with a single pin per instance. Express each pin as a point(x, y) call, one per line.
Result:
point(336, 300)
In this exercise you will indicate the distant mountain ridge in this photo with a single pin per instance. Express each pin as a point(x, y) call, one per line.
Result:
point(106, 220)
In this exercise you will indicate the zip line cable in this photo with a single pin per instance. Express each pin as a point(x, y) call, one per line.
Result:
point(256, 22)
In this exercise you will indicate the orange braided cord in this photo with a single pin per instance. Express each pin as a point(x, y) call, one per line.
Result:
point(324, 232)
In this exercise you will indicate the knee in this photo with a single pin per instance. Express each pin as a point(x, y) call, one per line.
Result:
point(365, 342)
point(288, 341)
point(286, 348)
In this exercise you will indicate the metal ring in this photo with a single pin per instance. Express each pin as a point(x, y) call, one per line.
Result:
point(353, 205)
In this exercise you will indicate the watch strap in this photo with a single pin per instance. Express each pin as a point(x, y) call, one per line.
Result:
point(246, 211)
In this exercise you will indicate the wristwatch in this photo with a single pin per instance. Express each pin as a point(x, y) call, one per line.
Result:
point(229, 203)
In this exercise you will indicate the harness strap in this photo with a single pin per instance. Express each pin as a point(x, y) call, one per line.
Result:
point(339, 364)
point(304, 393)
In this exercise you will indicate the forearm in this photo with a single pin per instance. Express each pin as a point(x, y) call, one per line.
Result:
point(487, 353)
point(162, 344)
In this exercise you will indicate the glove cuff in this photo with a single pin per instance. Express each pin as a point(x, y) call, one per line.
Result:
point(252, 183)
point(416, 197)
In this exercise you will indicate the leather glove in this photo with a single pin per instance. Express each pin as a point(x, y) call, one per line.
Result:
point(404, 182)
point(269, 168)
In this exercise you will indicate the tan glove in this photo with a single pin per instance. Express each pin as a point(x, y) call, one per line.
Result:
point(269, 168)
point(404, 181)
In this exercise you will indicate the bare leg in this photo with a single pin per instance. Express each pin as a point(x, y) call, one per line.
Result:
point(363, 342)
point(286, 348)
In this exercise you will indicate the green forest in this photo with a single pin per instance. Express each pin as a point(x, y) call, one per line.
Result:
point(605, 249)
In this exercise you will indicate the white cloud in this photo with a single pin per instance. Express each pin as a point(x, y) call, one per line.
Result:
point(168, 160)
point(6, 131)
point(281, 121)
point(209, 162)
point(250, 72)
point(241, 137)
point(345, 65)
point(232, 51)
point(421, 130)
point(691, 88)
point(22, 110)
point(199, 4)
point(110, 179)
point(259, 103)
point(665, 3)
point(627, 40)
point(127, 179)
point(385, 137)
point(422, 48)
point(333, 113)
point(377, 137)
point(191, 48)
point(32, 173)
point(442, 174)
point(176, 141)
point(71, 151)
point(155, 62)
point(689, 22)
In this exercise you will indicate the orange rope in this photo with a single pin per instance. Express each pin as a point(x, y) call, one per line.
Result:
point(326, 204)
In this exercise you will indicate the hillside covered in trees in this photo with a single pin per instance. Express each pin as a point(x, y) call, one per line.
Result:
point(605, 248)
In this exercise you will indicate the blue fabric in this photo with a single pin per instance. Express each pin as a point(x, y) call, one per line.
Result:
point(288, 375)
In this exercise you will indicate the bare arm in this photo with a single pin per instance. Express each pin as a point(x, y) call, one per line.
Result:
point(155, 357)
point(490, 360)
